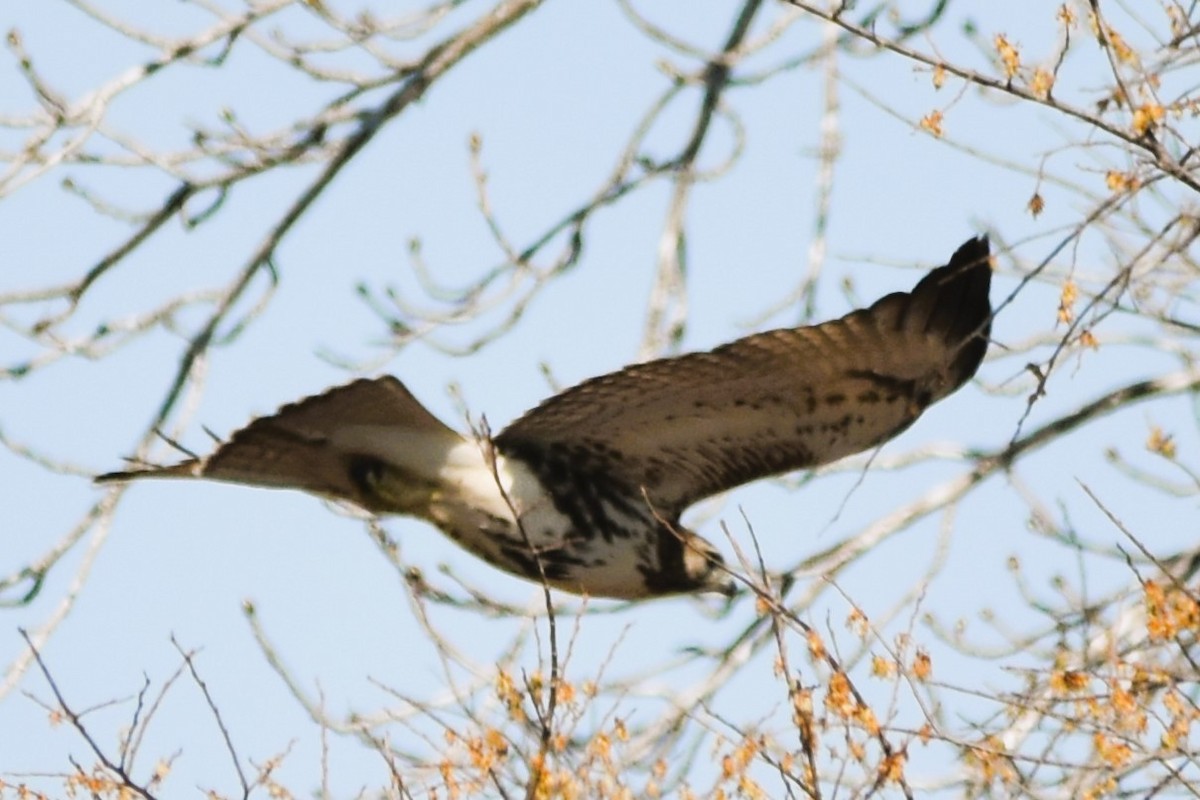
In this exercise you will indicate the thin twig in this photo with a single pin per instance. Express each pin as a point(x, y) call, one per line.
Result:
point(77, 723)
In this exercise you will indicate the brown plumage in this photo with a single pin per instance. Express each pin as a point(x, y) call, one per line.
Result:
point(593, 480)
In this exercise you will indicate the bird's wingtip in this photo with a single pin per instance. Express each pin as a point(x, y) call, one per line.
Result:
point(974, 251)
point(186, 469)
point(117, 476)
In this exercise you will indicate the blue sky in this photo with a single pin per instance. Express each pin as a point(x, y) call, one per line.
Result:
point(553, 101)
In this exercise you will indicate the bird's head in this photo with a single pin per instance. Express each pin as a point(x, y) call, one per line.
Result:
point(704, 568)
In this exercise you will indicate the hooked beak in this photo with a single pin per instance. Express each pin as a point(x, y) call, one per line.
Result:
point(727, 587)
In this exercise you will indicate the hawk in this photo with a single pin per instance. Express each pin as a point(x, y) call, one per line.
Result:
point(585, 491)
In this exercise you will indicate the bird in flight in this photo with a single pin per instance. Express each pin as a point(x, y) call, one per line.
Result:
point(585, 491)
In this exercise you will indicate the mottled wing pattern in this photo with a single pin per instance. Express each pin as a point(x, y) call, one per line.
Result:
point(306, 445)
point(687, 427)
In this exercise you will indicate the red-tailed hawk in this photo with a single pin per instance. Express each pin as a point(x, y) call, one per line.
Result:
point(587, 488)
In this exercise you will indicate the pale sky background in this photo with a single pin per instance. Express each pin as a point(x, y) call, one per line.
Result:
point(553, 100)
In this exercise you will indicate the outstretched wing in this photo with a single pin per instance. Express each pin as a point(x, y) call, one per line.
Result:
point(684, 428)
point(311, 444)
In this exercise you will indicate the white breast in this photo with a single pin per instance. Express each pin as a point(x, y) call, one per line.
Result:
point(508, 491)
